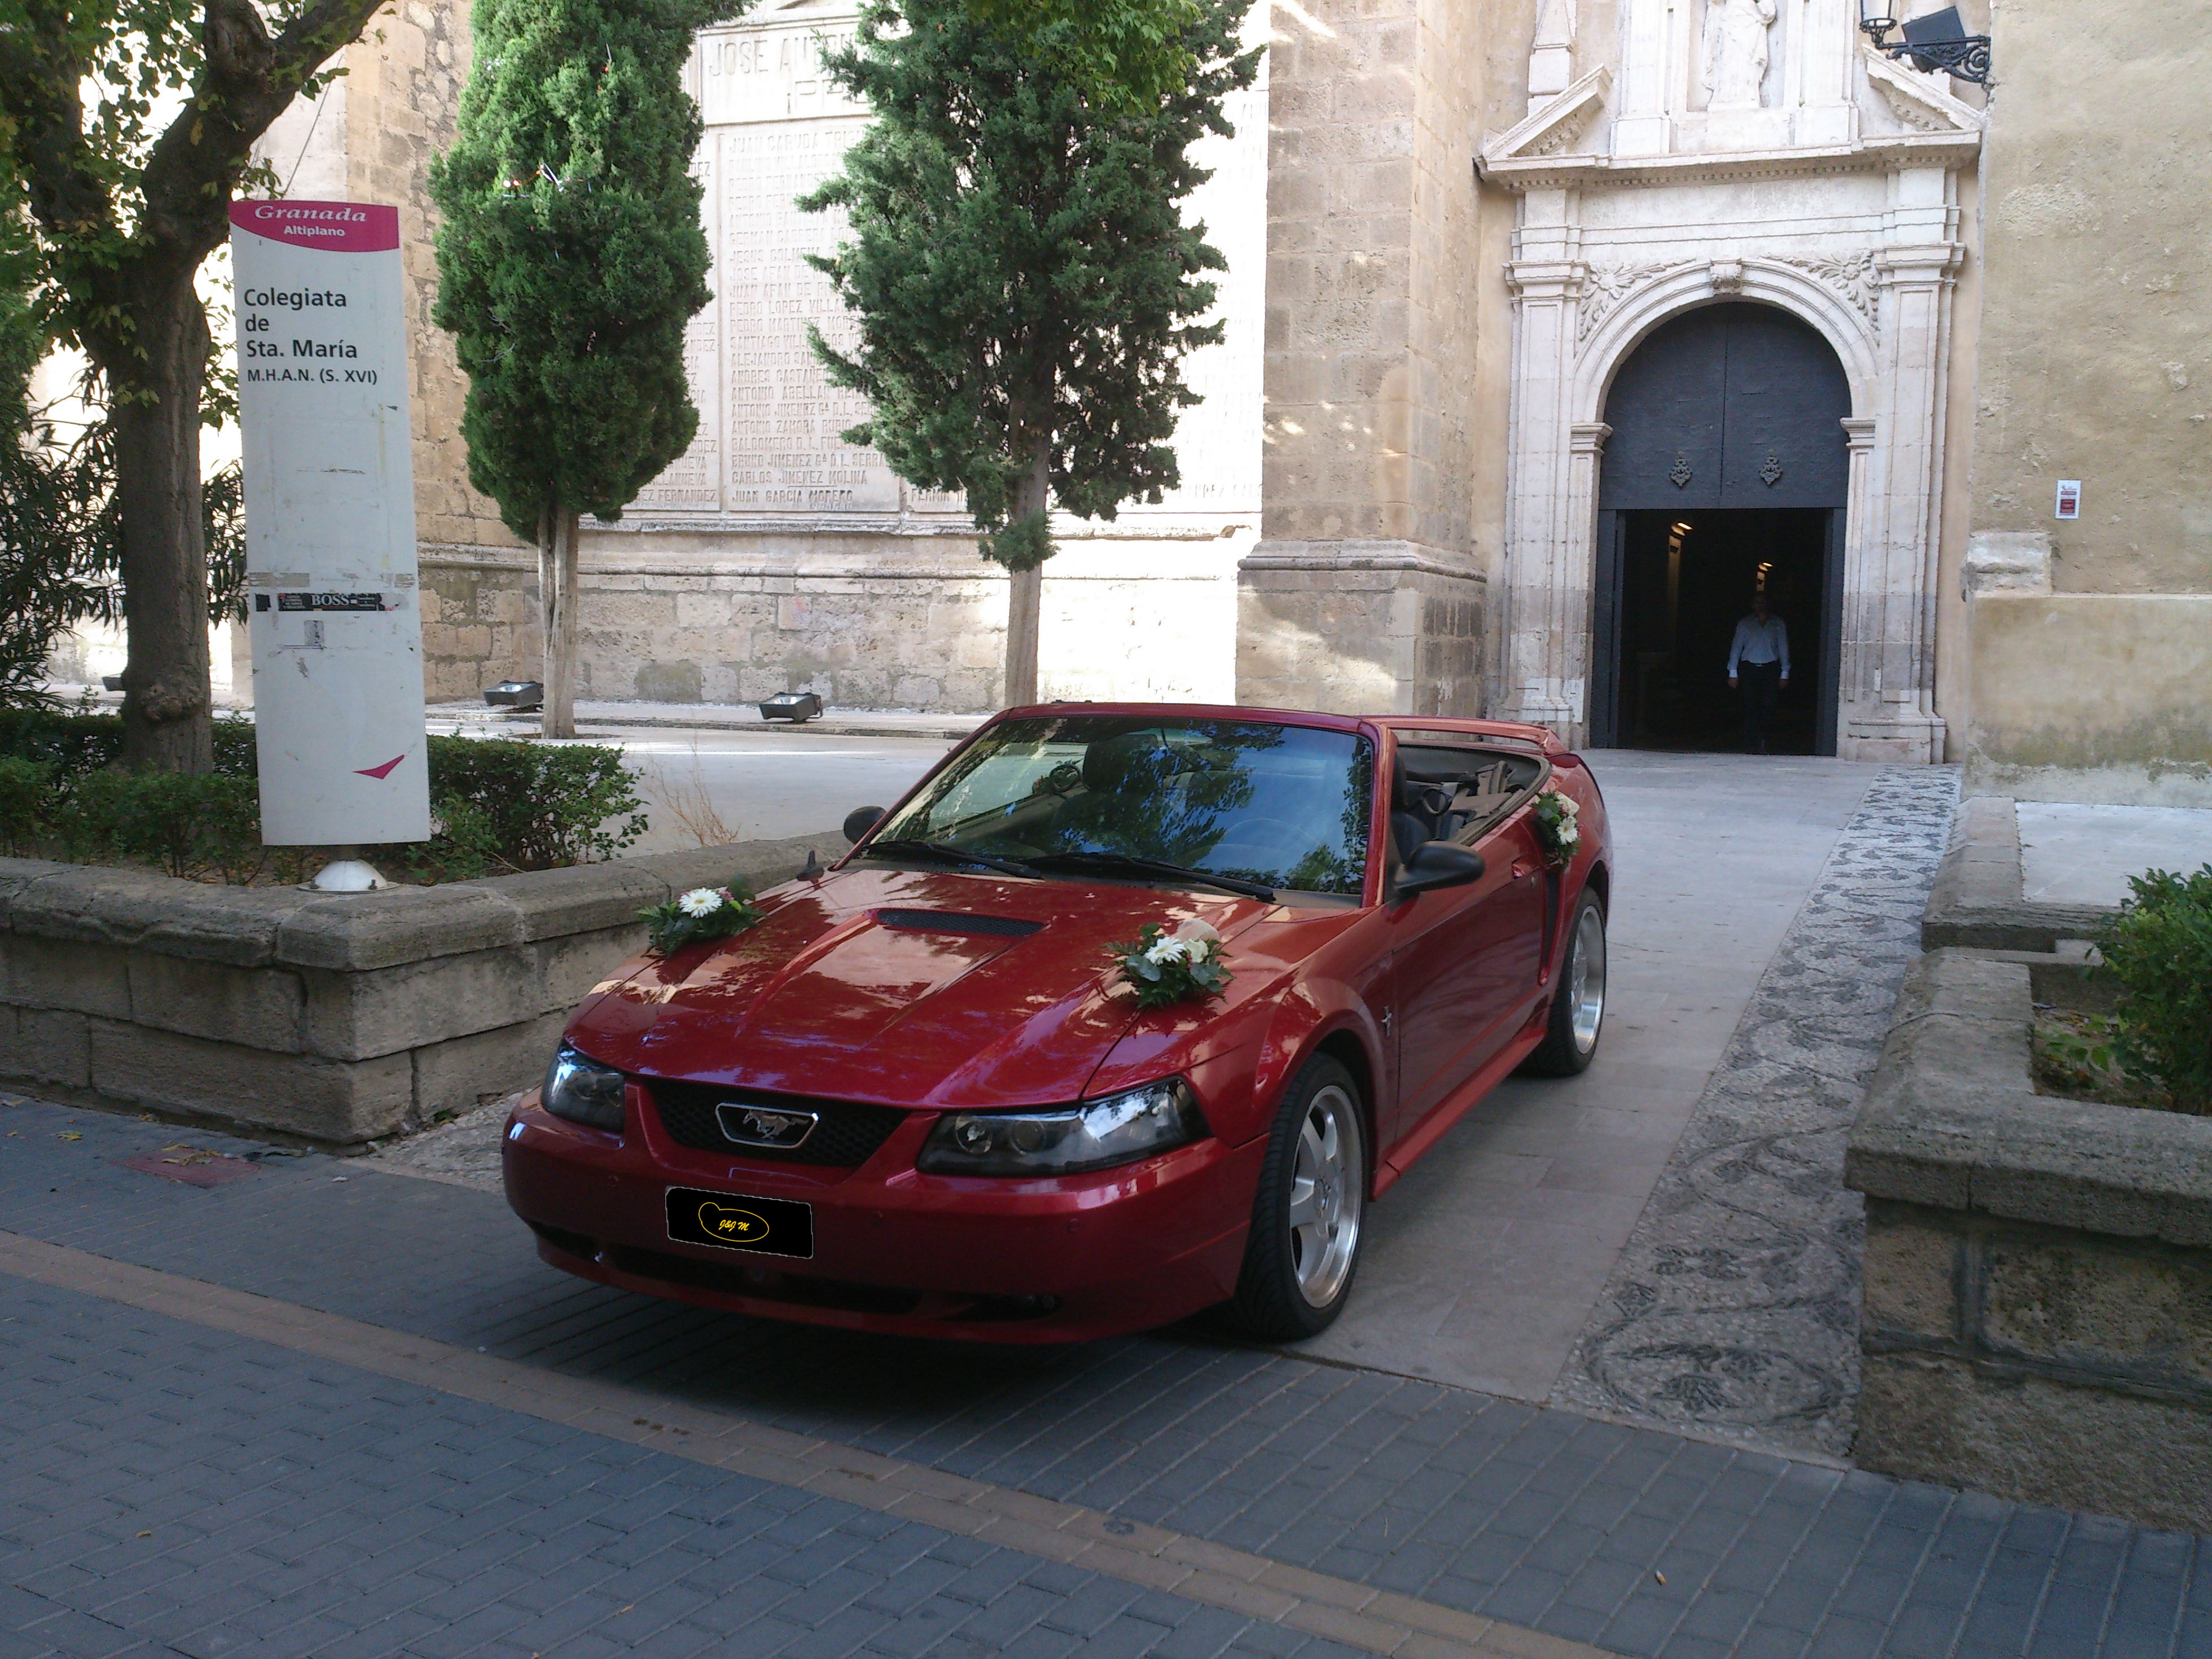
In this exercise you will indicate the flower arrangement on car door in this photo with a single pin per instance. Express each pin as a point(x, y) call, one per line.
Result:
point(1556, 831)
point(1184, 966)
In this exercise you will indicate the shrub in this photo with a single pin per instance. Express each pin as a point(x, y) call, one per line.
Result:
point(70, 743)
point(235, 754)
point(2161, 951)
point(26, 800)
point(501, 804)
point(497, 805)
point(198, 827)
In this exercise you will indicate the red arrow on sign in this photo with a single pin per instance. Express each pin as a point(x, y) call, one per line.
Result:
point(380, 773)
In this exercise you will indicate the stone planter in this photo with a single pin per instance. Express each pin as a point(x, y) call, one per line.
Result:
point(2038, 1271)
point(338, 1017)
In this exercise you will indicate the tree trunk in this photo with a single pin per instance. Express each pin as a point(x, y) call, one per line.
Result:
point(1025, 590)
point(1024, 602)
point(556, 592)
point(167, 702)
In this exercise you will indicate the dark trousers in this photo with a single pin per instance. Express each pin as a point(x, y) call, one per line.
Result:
point(1761, 681)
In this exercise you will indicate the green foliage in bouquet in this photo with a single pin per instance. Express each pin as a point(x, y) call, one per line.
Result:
point(1557, 832)
point(1184, 966)
point(700, 916)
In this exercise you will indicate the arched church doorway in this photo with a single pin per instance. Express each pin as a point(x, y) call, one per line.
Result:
point(1725, 476)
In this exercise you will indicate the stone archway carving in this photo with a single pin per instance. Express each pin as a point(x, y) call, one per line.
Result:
point(1563, 368)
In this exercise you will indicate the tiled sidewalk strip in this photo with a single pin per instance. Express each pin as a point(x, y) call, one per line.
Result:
point(1538, 1517)
point(1376, 1620)
point(170, 1492)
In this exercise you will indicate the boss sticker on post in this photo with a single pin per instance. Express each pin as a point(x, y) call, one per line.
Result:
point(771, 1226)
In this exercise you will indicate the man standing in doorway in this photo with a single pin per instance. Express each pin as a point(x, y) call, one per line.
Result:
point(1759, 661)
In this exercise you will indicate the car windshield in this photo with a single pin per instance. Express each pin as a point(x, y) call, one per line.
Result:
point(1286, 807)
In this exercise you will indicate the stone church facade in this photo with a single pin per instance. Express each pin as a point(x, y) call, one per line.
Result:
point(1532, 306)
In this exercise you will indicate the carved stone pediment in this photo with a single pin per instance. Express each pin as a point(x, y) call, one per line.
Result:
point(1920, 102)
point(1560, 127)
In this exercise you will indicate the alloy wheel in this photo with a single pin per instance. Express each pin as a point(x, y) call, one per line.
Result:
point(1586, 982)
point(1328, 1188)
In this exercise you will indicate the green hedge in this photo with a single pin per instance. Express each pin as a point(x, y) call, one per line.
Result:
point(496, 804)
point(503, 804)
point(2161, 951)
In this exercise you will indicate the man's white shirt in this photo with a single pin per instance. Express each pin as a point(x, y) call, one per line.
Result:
point(1758, 642)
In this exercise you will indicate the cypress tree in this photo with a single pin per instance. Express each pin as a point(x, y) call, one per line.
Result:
point(570, 259)
point(1024, 285)
point(1127, 52)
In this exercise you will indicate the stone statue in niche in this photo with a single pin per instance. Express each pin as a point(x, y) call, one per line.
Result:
point(1737, 52)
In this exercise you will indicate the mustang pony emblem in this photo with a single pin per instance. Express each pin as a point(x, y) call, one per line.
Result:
point(763, 1126)
point(732, 1225)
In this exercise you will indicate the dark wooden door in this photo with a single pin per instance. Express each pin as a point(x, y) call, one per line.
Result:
point(1829, 694)
point(1728, 407)
point(1732, 405)
point(1611, 579)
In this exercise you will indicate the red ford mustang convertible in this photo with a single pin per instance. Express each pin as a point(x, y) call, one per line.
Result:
point(920, 1093)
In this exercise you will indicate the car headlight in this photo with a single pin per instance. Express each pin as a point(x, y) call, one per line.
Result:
point(1095, 1136)
point(583, 1090)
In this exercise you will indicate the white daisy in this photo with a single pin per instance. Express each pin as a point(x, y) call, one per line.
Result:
point(700, 901)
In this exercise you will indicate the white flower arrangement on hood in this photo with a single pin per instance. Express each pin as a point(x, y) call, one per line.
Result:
point(1179, 967)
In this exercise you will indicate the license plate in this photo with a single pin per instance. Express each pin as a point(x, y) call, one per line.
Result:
point(768, 1227)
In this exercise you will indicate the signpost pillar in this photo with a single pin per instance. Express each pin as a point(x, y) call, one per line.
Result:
point(336, 624)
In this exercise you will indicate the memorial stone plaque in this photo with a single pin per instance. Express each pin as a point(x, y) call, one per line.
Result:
point(768, 447)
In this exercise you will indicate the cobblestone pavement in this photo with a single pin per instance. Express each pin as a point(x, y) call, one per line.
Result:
point(292, 1505)
point(1733, 1310)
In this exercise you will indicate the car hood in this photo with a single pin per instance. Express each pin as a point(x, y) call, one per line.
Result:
point(932, 989)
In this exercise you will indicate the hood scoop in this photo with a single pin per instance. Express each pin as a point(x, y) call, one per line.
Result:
point(956, 921)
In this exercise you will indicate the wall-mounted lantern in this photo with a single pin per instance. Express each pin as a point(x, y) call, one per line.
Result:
point(1937, 43)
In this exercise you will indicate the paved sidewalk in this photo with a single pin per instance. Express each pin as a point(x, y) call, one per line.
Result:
point(1487, 1263)
point(2071, 855)
point(1733, 1310)
point(255, 1503)
point(464, 1528)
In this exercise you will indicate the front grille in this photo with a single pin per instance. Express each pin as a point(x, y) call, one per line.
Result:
point(846, 1136)
point(956, 921)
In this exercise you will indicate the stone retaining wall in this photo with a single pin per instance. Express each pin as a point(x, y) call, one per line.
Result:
point(340, 1017)
point(2038, 1271)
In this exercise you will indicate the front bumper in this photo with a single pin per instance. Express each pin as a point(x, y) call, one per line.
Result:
point(986, 1259)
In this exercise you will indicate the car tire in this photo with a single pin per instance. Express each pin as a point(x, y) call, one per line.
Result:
point(1308, 1217)
point(1577, 1014)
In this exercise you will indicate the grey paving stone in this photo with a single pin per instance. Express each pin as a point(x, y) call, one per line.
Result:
point(1091, 1606)
point(1770, 1642)
point(242, 1599)
point(1410, 1485)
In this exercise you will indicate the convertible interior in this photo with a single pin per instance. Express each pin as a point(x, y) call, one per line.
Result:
point(1455, 794)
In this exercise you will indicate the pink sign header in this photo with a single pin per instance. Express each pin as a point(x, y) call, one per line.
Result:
point(328, 226)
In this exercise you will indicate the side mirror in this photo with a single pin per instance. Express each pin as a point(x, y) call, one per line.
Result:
point(861, 820)
point(1438, 863)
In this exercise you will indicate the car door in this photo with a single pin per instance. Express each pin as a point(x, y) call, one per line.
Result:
point(1463, 961)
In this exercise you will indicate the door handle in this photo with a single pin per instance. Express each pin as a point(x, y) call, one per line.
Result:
point(1523, 868)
